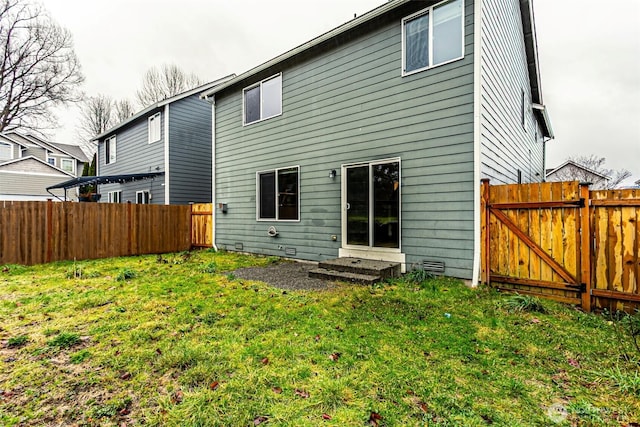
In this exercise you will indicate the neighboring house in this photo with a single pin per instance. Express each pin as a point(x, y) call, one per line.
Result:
point(172, 138)
point(371, 140)
point(29, 164)
point(572, 171)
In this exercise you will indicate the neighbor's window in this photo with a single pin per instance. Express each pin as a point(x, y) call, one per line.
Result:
point(143, 197)
point(115, 197)
point(6, 152)
point(433, 36)
point(278, 194)
point(51, 161)
point(110, 150)
point(154, 128)
point(263, 100)
point(67, 165)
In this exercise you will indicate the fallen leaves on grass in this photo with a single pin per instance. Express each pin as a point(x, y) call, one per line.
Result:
point(265, 361)
point(375, 419)
point(259, 420)
point(326, 416)
point(573, 362)
point(177, 397)
point(334, 356)
point(302, 393)
point(214, 385)
point(277, 390)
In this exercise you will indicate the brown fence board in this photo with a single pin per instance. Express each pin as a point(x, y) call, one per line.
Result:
point(39, 232)
point(550, 238)
point(202, 225)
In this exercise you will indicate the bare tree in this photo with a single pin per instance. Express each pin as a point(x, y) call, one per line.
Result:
point(164, 82)
point(123, 109)
point(38, 66)
point(593, 163)
point(96, 116)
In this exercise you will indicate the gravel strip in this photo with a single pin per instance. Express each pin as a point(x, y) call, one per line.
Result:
point(285, 275)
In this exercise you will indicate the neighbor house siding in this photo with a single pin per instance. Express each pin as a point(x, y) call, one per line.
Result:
point(32, 187)
point(346, 105)
point(190, 151)
point(507, 145)
point(134, 154)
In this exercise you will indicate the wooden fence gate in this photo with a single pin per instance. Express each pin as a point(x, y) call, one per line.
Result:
point(202, 225)
point(561, 241)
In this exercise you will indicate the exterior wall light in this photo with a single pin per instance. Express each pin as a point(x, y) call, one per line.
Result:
point(332, 173)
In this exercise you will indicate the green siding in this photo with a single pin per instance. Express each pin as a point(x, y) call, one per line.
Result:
point(507, 145)
point(347, 104)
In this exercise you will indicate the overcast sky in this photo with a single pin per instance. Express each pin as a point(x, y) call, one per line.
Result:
point(589, 55)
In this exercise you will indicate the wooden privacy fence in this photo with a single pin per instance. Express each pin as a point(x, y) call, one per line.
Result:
point(40, 232)
point(202, 225)
point(564, 242)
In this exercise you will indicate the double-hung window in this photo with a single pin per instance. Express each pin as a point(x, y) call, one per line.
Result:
point(263, 100)
point(279, 194)
point(67, 165)
point(154, 128)
point(6, 151)
point(110, 150)
point(433, 36)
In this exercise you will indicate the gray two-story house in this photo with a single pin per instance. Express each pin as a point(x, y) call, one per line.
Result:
point(29, 164)
point(370, 140)
point(170, 139)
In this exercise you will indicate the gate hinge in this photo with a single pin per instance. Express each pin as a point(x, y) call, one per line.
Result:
point(582, 202)
point(583, 288)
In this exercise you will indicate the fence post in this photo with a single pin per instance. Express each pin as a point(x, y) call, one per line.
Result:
point(49, 254)
point(129, 228)
point(485, 216)
point(585, 247)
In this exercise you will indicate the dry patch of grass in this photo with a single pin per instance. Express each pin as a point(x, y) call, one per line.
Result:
point(176, 340)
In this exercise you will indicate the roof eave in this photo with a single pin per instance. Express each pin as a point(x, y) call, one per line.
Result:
point(161, 104)
point(375, 13)
point(542, 115)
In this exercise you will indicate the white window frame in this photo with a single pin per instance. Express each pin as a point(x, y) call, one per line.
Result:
point(244, 107)
point(277, 218)
point(11, 148)
point(142, 193)
point(154, 128)
point(73, 165)
point(429, 11)
point(112, 152)
point(114, 196)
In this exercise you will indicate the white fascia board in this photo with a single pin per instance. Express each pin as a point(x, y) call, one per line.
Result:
point(477, 143)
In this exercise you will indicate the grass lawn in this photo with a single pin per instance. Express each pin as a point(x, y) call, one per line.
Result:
point(180, 341)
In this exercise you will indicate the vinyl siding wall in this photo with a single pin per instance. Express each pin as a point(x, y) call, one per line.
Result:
point(346, 105)
point(28, 186)
point(134, 154)
point(190, 151)
point(507, 145)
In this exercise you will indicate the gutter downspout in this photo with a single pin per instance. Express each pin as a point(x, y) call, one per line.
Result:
point(167, 176)
point(477, 128)
point(212, 101)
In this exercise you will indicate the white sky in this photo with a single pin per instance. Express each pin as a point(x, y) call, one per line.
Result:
point(589, 55)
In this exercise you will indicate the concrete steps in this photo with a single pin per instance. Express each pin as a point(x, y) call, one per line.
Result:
point(356, 270)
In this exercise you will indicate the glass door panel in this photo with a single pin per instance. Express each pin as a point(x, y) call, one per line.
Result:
point(386, 205)
point(358, 205)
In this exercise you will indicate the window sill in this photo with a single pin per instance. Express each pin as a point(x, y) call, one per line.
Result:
point(261, 120)
point(420, 70)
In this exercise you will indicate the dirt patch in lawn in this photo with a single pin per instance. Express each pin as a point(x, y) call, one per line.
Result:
point(285, 275)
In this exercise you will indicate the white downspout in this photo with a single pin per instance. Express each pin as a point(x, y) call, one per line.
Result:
point(213, 169)
point(167, 193)
point(477, 129)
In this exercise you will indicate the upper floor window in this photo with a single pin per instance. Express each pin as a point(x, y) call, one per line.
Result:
point(6, 151)
point(154, 128)
point(51, 161)
point(110, 150)
point(67, 165)
point(433, 36)
point(278, 195)
point(263, 100)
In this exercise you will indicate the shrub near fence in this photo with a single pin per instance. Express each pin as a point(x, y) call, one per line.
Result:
point(39, 232)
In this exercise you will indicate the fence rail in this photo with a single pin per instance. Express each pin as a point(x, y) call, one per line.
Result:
point(564, 242)
point(40, 232)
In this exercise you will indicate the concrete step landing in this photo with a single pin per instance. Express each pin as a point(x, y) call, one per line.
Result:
point(356, 270)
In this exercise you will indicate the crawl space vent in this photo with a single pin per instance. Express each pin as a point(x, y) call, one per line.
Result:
point(436, 267)
point(239, 246)
point(290, 251)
